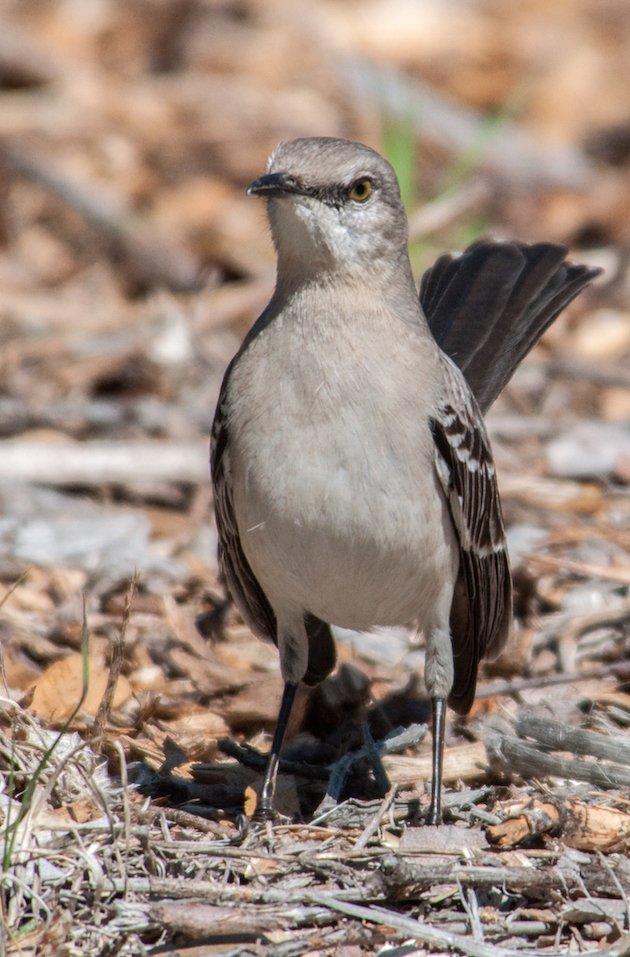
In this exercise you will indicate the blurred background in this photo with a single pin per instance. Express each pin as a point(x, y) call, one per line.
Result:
point(132, 263)
point(131, 260)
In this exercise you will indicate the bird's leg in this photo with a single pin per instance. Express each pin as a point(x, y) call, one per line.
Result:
point(438, 677)
point(269, 784)
point(438, 708)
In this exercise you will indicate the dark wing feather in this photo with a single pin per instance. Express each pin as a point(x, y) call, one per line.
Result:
point(239, 578)
point(489, 306)
point(482, 605)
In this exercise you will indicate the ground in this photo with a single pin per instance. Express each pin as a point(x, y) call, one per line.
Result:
point(136, 706)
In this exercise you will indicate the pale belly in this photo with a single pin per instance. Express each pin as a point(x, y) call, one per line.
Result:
point(339, 510)
point(343, 530)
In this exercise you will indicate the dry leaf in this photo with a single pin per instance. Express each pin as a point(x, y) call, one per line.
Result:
point(78, 812)
point(58, 691)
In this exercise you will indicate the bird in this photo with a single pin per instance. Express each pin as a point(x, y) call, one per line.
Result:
point(353, 477)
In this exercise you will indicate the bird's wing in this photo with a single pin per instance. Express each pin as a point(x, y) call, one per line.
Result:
point(482, 603)
point(240, 580)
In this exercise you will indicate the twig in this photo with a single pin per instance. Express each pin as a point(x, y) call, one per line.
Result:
point(181, 818)
point(471, 906)
point(104, 710)
point(374, 822)
point(561, 737)
point(622, 894)
point(412, 928)
point(126, 821)
point(402, 877)
point(178, 889)
point(518, 685)
point(514, 755)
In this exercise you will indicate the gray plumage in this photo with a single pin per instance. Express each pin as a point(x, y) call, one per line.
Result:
point(353, 477)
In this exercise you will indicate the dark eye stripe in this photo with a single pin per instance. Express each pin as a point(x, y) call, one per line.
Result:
point(338, 194)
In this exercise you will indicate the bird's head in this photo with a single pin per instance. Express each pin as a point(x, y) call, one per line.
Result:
point(334, 206)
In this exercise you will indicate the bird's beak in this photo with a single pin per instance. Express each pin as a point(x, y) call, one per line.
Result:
point(274, 184)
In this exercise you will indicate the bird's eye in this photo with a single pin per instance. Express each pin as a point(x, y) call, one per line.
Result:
point(361, 189)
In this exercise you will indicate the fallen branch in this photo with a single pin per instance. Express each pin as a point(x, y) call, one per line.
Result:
point(561, 737)
point(582, 826)
point(440, 939)
point(512, 755)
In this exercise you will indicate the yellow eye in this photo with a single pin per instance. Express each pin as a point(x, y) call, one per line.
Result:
point(361, 189)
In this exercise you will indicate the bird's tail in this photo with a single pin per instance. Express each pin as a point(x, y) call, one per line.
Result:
point(488, 306)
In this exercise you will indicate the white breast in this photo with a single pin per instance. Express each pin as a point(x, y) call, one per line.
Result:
point(334, 512)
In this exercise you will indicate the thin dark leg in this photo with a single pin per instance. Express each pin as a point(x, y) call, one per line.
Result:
point(269, 784)
point(438, 707)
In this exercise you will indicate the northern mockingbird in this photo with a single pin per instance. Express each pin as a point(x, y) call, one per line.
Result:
point(353, 478)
